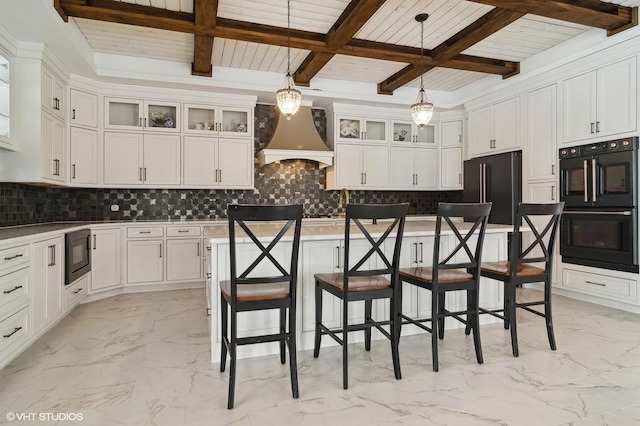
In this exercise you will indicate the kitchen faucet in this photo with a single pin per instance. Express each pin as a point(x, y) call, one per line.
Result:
point(344, 192)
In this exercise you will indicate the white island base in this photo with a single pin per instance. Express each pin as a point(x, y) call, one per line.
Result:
point(321, 246)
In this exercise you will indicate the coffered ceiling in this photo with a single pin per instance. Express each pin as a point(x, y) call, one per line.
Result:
point(371, 41)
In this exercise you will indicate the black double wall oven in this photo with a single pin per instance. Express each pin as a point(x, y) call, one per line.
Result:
point(599, 185)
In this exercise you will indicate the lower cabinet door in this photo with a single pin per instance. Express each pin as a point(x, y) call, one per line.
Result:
point(145, 261)
point(48, 283)
point(183, 259)
point(106, 272)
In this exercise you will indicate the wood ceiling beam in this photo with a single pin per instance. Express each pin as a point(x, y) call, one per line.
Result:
point(205, 12)
point(402, 77)
point(593, 13)
point(487, 25)
point(151, 17)
point(355, 15)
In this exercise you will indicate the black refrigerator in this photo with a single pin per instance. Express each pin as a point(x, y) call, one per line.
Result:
point(498, 179)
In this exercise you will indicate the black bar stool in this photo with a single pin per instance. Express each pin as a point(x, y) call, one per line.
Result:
point(450, 273)
point(246, 291)
point(519, 270)
point(364, 278)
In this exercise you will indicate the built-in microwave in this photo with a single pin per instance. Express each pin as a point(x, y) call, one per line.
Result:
point(77, 254)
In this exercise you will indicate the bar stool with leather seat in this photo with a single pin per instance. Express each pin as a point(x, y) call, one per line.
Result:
point(247, 290)
point(455, 271)
point(519, 269)
point(364, 278)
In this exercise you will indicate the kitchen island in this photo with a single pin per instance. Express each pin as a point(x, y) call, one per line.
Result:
point(321, 250)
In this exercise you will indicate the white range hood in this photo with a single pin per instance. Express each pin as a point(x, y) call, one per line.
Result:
point(296, 139)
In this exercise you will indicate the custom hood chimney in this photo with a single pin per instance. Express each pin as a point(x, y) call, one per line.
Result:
point(296, 138)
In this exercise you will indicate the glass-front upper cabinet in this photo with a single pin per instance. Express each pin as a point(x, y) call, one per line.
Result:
point(211, 119)
point(134, 114)
point(5, 104)
point(408, 132)
point(353, 129)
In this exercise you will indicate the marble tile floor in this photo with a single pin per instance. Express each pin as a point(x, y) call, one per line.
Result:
point(143, 359)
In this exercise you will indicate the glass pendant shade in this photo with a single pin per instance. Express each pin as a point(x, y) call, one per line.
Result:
point(422, 110)
point(288, 98)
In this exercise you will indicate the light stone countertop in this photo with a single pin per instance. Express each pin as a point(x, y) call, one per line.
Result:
point(335, 230)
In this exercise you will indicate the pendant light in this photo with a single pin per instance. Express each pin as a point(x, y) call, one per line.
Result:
point(422, 110)
point(288, 98)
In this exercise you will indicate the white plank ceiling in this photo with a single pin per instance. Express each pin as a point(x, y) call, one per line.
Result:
point(393, 23)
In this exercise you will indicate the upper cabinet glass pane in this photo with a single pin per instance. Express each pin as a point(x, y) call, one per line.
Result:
point(201, 118)
point(162, 116)
point(349, 128)
point(376, 130)
point(5, 104)
point(235, 121)
point(426, 134)
point(124, 113)
point(402, 132)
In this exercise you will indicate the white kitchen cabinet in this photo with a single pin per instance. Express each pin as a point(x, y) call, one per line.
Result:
point(495, 128)
point(84, 108)
point(106, 259)
point(353, 128)
point(141, 114)
point(53, 148)
point(406, 131)
point(451, 168)
point(137, 159)
point(145, 261)
point(83, 156)
point(208, 120)
point(53, 93)
point(75, 292)
point(217, 162)
point(40, 155)
point(600, 103)
point(184, 259)
point(541, 152)
point(361, 166)
point(48, 283)
point(16, 332)
point(451, 133)
point(414, 168)
point(608, 285)
point(6, 93)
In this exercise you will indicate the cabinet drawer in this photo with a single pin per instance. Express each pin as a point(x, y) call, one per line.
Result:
point(75, 292)
point(183, 231)
point(14, 332)
point(600, 285)
point(14, 256)
point(155, 231)
point(14, 290)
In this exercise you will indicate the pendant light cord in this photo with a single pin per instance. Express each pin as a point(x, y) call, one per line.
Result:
point(288, 37)
point(421, 52)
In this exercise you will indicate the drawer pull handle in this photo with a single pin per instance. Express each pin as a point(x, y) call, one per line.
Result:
point(145, 232)
point(183, 230)
point(594, 283)
point(18, 287)
point(78, 291)
point(15, 330)
point(15, 256)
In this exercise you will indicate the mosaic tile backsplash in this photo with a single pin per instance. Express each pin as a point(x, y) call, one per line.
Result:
point(297, 181)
